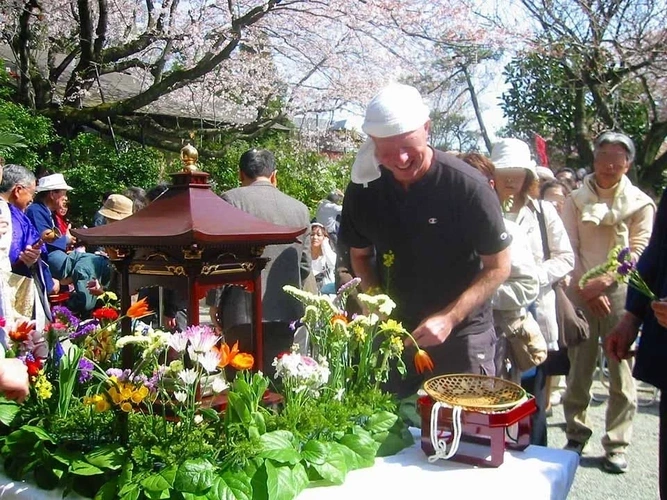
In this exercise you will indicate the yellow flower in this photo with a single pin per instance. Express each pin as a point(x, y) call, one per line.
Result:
point(393, 326)
point(126, 407)
point(388, 259)
point(126, 392)
point(396, 344)
point(43, 387)
point(359, 333)
point(102, 405)
point(137, 397)
point(115, 396)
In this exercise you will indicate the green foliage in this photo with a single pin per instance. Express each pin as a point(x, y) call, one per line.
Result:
point(36, 132)
point(92, 166)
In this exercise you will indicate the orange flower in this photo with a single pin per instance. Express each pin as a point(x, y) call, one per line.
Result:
point(339, 317)
point(243, 361)
point(22, 331)
point(139, 309)
point(238, 360)
point(423, 361)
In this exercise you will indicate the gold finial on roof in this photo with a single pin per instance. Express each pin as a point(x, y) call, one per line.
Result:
point(189, 156)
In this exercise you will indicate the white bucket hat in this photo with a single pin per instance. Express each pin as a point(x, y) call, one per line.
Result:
point(512, 153)
point(395, 110)
point(53, 182)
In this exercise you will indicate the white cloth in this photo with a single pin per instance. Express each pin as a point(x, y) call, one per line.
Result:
point(6, 310)
point(327, 214)
point(325, 264)
point(536, 473)
point(550, 271)
point(395, 110)
point(522, 287)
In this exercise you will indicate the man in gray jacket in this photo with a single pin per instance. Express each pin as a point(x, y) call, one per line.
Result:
point(288, 264)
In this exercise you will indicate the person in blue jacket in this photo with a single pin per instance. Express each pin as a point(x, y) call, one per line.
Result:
point(27, 254)
point(651, 316)
point(49, 193)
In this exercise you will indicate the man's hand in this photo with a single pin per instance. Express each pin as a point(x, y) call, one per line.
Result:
point(595, 287)
point(56, 286)
point(30, 255)
point(434, 330)
point(169, 322)
point(599, 306)
point(618, 341)
point(14, 382)
point(95, 288)
point(660, 310)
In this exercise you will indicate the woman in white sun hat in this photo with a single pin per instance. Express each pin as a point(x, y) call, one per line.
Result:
point(516, 184)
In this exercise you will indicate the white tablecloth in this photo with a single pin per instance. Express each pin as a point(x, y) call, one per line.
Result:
point(533, 474)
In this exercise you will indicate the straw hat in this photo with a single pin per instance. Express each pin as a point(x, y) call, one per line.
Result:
point(117, 207)
point(53, 182)
point(512, 153)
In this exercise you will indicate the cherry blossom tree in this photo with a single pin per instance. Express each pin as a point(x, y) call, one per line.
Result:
point(240, 64)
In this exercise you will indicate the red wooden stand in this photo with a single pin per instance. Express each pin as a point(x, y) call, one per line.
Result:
point(488, 429)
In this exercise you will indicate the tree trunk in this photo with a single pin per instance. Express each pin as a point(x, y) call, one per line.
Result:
point(478, 111)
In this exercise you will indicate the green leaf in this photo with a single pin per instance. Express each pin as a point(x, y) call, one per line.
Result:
point(158, 495)
point(239, 406)
point(258, 419)
point(8, 410)
point(107, 457)
point(314, 452)
point(259, 483)
point(108, 491)
point(40, 433)
point(162, 481)
point(210, 414)
point(45, 477)
point(230, 486)
point(82, 468)
point(350, 457)
point(335, 467)
point(363, 446)
point(277, 445)
point(381, 422)
point(194, 476)
point(280, 484)
point(398, 438)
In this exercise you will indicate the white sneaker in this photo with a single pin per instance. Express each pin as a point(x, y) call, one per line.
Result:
point(556, 398)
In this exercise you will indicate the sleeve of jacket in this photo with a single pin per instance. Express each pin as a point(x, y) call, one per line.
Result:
point(306, 260)
point(561, 261)
point(649, 262)
point(40, 216)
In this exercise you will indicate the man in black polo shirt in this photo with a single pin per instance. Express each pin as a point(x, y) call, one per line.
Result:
point(443, 225)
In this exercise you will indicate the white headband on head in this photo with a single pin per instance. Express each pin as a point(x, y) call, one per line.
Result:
point(395, 110)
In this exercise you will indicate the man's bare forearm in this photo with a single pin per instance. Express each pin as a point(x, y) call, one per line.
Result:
point(480, 290)
point(363, 267)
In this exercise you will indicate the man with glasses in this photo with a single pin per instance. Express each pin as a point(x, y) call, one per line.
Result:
point(27, 254)
point(51, 194)
point(606, 211)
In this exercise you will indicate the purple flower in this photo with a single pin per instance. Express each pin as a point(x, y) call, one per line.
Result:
point(624, 255)
point(294, 325)
point(153, 382)
point(58, 352)
point(625, 268)
point(84, 328)
point(63, 314)
point(121, 375)
point(85, 370)
point(353, 283)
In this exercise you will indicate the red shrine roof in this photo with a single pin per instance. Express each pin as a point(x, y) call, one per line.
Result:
point(189, 213)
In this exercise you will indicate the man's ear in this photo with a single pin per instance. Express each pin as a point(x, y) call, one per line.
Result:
point(274, 178)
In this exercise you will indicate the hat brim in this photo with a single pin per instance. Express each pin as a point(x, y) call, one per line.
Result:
point(112, 214)
point(61, 187)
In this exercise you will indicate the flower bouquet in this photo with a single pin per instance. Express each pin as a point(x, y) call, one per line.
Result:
point(100, 428)
point(623, 268)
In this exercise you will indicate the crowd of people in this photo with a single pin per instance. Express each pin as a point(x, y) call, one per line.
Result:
point(478, 246)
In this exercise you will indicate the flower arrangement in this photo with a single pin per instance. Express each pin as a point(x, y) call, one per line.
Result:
point(623, 268)
point(97, 427)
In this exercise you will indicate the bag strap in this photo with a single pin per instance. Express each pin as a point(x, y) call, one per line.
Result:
point(543, 230)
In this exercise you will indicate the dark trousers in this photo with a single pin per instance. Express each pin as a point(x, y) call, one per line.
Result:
point(662, 454)
point(537, 386)
point(467, 354)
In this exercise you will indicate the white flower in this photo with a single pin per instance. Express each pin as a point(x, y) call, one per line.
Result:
point(188, 376)
point(178, 341)
point(180, 396)
point(219, 384)
point(209, 361)
point(339, 394)
point(131, 339)
point(198, 419)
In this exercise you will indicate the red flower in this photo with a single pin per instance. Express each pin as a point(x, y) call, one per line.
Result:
point(33, 366)
point(22, 331)
point(139, 309)
point(423, 361)
point(105, 313)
